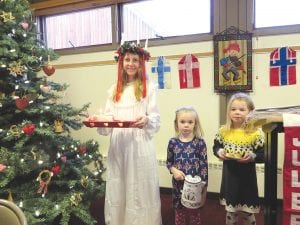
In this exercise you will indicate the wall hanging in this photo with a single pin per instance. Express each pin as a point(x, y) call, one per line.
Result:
point(232, 61)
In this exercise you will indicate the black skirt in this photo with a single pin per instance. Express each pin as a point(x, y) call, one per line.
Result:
point(239, 191)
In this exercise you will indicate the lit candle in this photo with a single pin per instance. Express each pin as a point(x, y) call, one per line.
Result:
point(122, 38)
point(146, 44)
point(138, 35)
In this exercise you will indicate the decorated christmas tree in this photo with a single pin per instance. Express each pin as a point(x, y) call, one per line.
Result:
point(47, 173)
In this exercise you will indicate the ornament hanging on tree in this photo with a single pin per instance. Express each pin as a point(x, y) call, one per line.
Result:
point(84, 181)
point(28, 129)
point(55, 169)
point(10, 197)
point(45, 88)
point(33, 152)
point(22, 103)
point(76, 198)
point(44, 179)
point(24, 24)
point(17, 69)
point(35, 64)
point(82, 149)
point(48, 68)
point(7, 17)
point(14, 131)
point(2, 167)
point(58, 126)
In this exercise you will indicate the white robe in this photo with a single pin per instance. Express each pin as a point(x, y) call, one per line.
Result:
point(132, 184)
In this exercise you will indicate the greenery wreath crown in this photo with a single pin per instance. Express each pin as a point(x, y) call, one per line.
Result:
point(131, 47)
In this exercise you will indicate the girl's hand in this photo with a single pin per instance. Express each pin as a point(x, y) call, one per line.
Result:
point(140, 122)
point(91, 118)
point(246, 159)
point(221, 154)
point(177, 174)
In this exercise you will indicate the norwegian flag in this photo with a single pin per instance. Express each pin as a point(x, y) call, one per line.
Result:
point(283, 67)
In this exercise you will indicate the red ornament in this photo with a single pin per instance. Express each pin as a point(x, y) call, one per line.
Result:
point(55, 169)
point(28, 129)
point(82, 149)
point(2, 167)
point(48, 69)
point(22, 103)
point(45, 88)
point(24, 24)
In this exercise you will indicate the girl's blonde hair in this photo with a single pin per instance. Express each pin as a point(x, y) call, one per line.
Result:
point(242, 97)
point(198, 132)
point(138, 84)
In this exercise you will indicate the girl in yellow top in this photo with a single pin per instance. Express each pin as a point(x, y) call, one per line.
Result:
point(239, 147)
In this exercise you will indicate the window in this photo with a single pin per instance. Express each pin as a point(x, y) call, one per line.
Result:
point(77, 29)
point(104, 27)
point(270, 13)
point(165, 18)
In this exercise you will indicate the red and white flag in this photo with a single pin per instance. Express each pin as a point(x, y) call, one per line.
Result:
point(189, 74)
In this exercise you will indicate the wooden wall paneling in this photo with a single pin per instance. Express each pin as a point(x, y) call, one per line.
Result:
point(242, 18)
point(54, 3)
point(232, 13)
point(216, 16)
point(57, 6)
point(222, 15)
point(250, 19)
point(222, 109)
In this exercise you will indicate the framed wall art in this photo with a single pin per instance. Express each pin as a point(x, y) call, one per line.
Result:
point(232, 61)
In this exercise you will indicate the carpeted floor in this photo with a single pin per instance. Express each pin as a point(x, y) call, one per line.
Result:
point(212, 213)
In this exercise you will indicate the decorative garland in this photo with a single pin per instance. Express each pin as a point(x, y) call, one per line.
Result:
point(133, 48)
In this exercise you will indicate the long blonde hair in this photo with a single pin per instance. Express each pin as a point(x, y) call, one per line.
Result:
point(242, 97)
point(198, 132)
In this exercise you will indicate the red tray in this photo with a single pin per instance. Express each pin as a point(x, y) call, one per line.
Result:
point(120, 124)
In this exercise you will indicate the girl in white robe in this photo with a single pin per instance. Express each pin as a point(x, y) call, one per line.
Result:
point(132, 184)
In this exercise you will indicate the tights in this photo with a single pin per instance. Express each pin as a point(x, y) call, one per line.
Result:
point(247, 218)
point(187, 216)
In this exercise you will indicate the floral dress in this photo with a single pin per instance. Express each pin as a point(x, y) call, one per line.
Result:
point(189, 157)
point(132, 183)
point(239, 191)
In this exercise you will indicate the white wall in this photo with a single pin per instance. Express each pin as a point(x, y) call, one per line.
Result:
point(89, 84)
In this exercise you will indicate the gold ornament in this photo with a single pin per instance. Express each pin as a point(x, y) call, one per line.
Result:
point(16, 69)
point(10, 198)
point(7, 17)
point(84, 181)
point(15, 131)
point(44, 179)
point(33, 153)
point(76, 199)
point(58, 126)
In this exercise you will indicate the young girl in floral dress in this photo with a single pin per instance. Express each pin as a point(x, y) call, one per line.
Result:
point(187, 155)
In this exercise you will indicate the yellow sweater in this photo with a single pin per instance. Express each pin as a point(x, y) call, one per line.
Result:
point(237, 142)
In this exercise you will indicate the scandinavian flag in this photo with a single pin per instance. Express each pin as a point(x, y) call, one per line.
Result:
point(283, 67)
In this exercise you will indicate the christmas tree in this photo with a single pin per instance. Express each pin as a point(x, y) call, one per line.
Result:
point(47, 173)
